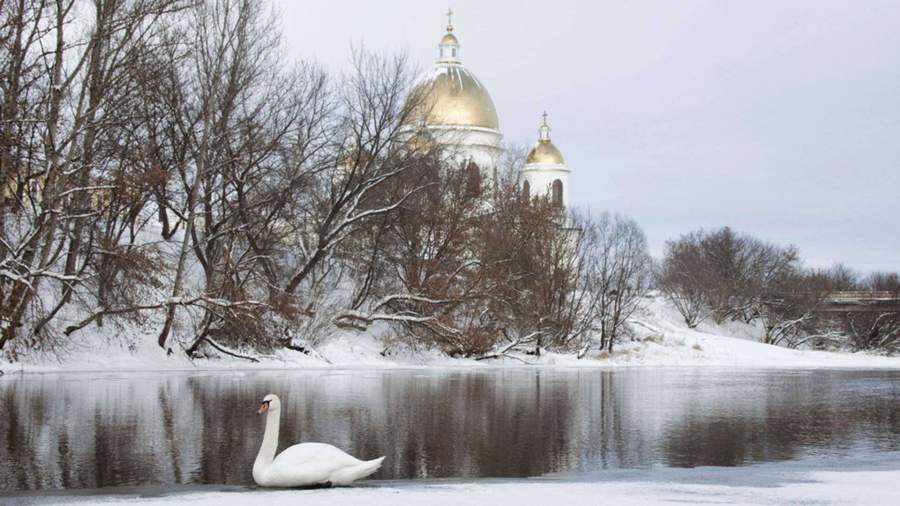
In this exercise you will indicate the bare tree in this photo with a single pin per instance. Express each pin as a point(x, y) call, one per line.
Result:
point(788, 315)
point(64, 95)
point(618, 271)
point(888, 282)
point(432, 277)
point(244, 113)
point(869, 331)
point(724, 274)
point(741, 271)
point(476, 273)
point(530, 251)
point(681, 278)
point(371, 153)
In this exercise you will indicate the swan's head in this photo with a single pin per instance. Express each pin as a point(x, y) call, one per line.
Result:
point(269, 403)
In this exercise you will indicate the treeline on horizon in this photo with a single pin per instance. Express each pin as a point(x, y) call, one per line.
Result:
point(166, 171)
point(722, 275)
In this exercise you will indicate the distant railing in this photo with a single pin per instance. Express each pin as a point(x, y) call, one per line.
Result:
point(863, 295)
point(858, 300)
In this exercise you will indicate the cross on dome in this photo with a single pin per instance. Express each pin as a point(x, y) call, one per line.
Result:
point(449, 46)
point(454, 97)
point(545, 129)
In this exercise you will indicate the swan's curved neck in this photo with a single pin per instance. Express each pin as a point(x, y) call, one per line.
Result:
point(270, 440)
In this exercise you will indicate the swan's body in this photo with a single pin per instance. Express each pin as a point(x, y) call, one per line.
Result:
point(306, 464)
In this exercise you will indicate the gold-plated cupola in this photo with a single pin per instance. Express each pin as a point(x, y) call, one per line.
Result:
point(452, 95)
point(544, 151)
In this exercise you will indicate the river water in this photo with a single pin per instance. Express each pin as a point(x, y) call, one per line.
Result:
point(98, 430)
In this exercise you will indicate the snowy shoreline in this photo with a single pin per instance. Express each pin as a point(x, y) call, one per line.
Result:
point(660, 339)
point(848, 362)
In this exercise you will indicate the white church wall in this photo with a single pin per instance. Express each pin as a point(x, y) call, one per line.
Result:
point(540, 177)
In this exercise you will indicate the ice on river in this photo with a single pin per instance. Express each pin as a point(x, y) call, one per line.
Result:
point(769, 486)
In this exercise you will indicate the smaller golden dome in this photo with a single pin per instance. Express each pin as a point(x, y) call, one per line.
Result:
point(545, 152)
point(449, 39)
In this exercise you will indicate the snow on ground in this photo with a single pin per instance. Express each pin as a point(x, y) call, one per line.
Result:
point(661, 339)
point(697, 486)
point(664, 339)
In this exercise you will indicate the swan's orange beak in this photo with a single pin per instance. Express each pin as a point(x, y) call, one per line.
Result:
point(263, 408)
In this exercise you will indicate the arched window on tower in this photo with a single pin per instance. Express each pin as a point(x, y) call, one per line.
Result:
point(526, 190)
point(473, 180)
point(556, 193)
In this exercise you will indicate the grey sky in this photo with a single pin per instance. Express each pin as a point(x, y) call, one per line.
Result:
point(779, 118)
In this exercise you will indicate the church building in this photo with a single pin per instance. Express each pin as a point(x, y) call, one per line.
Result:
point(458, 112)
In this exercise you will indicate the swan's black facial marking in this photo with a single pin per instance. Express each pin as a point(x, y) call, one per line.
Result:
point(263, 407)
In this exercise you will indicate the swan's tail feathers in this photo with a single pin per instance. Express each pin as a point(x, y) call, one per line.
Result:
point(357, 472)
point(370, 466)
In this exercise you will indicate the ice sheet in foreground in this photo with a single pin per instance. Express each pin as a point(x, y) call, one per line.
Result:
point(818, 482)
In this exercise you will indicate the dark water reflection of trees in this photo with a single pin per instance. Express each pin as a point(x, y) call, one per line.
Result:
point(77, 431)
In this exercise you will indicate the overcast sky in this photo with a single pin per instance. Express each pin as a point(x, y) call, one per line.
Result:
point(778, 118)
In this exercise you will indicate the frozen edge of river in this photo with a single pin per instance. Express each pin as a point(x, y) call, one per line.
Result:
point(816, 481)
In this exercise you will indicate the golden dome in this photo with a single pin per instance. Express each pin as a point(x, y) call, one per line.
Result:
point(545, 152)
point(454, 96)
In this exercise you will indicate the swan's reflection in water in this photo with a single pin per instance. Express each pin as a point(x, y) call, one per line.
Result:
point(86, 431)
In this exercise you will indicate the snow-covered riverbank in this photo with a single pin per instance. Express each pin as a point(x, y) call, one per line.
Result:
point(660, 339)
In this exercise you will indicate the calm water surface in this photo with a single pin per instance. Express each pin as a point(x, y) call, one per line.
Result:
point(88, 431)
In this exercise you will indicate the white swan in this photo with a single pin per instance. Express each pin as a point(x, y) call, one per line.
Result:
point(303, 465)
